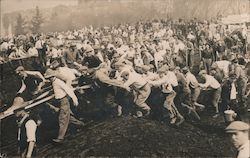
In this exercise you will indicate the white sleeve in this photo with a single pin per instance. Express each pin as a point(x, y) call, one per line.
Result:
point(31, 130)
point(68, 90)
point(22, 88)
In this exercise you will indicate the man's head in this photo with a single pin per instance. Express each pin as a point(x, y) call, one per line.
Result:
point(177, 69)
point(20, 71)
point(49, 74)
point(239, 133)
point(163, 70)
point(203, 73)
point(125, 75)
point(232, 77)
point(20, 112)
point(185, 70)
point(54, 65)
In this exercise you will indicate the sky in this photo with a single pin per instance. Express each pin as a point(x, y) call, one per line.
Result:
point(8, 6)
point(15, 5)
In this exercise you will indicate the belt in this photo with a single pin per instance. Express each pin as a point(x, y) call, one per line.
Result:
point(62, 97)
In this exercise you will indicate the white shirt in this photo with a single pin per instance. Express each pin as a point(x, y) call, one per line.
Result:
point(39, 44)
point(210, 82)
point(150, 76)
point(4, 46)
point(17, 54)
point(67, 74)
point(244, 150)
point(191, 80)
point(138, 61)
point(164, 82)
point(61, 89)
point(233, 92)
point(158, 56)
point(178, 47)
point(33, 51)
point(172, 78)
point(136, 80)
point(224, 65)
point(165, 45)
point(130, 53)
point(31, 127)
point(55, 53)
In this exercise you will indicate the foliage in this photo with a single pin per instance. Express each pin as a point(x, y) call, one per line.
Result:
point(36, 21)
point(20, 25)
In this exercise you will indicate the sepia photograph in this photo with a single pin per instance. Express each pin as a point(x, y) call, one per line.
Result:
point(125, 78)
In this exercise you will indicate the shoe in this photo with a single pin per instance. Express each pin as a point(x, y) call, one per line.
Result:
point(82, 124)
point(180, 121)
point(173, 120)
point(138, 114)
point(216, 115)
point(147, 112)
point(195, 114)
point(57, 140)
point(119, 111)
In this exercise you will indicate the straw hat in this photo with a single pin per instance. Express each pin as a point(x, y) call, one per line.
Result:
point(49, 73)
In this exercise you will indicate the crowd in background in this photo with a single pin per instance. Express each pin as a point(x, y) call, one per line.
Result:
point(136, 64)
point(147, 48)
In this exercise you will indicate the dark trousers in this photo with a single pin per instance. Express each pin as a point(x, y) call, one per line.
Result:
point(42, 56)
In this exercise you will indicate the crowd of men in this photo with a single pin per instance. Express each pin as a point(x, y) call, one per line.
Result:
point(136, 65)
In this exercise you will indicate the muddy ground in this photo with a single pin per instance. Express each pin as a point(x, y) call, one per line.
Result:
point(119, 136)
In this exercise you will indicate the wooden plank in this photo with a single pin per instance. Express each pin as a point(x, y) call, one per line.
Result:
point(4, 115)
point(43, 100)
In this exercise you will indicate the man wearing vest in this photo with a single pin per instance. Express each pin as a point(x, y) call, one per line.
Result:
point(32, 82)
point(241, 80)
point(39, 45)
point(27, 126)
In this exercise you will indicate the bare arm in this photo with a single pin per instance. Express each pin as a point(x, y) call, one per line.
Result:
point(105, 79)
point(37, 74)
point(30, 149)
point(22, 88)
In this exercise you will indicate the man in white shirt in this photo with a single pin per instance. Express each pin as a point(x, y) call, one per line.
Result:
point(41, 52)
point(17, 53)
point(62, 91)
point(212, 84)
point(166, 84)
point(193, 84)
point(32, 51)
point(222, 65)
point(239, 134)
point(138, 62)
point(140, 87)
point(65, 73)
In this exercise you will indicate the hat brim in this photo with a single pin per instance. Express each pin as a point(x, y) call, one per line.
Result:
point(236, 130)
point(48, 76)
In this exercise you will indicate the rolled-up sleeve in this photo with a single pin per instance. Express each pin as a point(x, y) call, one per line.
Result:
point(31, 131)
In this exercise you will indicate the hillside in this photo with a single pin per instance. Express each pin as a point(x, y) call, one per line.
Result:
point(129, 136)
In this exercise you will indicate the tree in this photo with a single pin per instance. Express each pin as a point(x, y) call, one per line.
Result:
point(20, 24)
point(6, 23)
point(36, 21)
